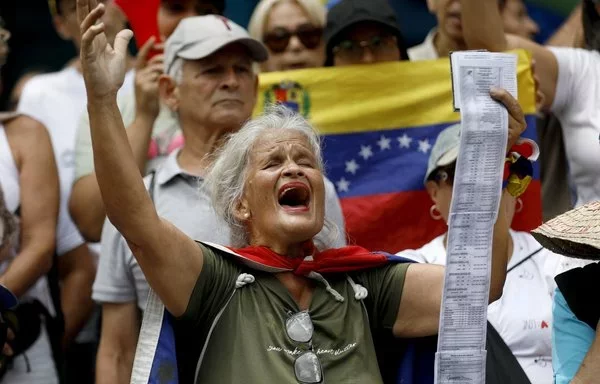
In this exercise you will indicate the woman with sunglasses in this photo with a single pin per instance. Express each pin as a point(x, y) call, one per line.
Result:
point(292, 30)
point(280, 308)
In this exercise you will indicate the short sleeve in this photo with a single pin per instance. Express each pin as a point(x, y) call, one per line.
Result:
point(213, 289)
point(84, 156)
point(385, 291)
point(413, 255)
point(333, 213)
point(571, 339)
point(67, 234)
point(574, 66)
point(114, 280)
point(30, 100)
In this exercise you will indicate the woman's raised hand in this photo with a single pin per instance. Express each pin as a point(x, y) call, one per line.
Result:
point(103, 66)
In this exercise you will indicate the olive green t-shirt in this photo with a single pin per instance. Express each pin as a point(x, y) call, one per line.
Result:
point(249, 343)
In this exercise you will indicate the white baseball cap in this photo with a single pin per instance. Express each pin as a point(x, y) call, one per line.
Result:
point(200, 36)
point(445, 149)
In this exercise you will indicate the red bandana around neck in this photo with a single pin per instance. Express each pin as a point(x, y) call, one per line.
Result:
point(346, 259)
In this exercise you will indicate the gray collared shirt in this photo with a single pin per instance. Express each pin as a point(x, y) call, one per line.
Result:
point(179, 199)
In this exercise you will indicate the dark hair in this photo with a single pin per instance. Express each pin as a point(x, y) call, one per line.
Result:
point(203, 7)
point(443, 173)
point(207, 7)
point(9, 221)
point(591, 25)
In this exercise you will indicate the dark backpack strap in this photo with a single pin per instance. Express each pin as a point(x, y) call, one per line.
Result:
point(55, 325)
point(501, 366)
point(580, 287)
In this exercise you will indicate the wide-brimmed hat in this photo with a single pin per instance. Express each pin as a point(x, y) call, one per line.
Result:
point(575, 233)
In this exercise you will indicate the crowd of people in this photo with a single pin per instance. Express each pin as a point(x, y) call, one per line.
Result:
point(123, 177)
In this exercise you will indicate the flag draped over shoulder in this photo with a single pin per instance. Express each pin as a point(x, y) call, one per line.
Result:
point(378, 124)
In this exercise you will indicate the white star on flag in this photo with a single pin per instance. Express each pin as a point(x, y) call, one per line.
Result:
point(404, 141)
point(352, 166)
point(384, 143)
point(424, 146)
point(365, 151)
point(343, 185)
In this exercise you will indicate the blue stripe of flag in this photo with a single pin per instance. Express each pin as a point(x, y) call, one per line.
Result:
point(386, 161)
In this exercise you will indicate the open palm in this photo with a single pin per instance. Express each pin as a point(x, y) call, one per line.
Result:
point(103, 66)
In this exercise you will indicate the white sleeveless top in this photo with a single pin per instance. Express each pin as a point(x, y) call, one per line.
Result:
point(35, 366)
point(9, 174)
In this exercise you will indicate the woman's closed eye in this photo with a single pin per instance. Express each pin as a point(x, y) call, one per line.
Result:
point(271, 164)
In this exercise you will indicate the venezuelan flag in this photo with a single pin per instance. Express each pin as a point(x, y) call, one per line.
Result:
point(378, 124)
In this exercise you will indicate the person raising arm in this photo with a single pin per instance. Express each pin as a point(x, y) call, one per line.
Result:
point(568, 80)
point(154, 242)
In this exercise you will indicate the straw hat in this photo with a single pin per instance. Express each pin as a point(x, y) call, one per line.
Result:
point(575, 233)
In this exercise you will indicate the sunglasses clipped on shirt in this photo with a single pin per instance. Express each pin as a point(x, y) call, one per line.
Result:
point(279, 38)
point(307, 367)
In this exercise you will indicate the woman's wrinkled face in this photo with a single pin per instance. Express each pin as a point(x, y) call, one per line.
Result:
point(284, 195)
point(293, 41)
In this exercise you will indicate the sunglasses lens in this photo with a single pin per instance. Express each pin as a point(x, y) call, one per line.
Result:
point(310, 37)
point(278, 40)
point(308, 368)
point(299, 327)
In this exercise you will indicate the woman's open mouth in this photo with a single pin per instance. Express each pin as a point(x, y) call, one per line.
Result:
point(294, 197)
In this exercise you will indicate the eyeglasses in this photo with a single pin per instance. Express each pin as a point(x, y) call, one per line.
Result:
point(307, 367)
point(353, 50)
point(278, 39)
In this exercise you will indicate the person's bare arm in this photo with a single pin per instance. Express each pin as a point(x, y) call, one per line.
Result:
point(87, 208)
point(589, 371)
point(569, 32)
point(170, 260)
point(38, 179)
point(76, 271)
point(118, 340)
point(419, 311)
point(85, 204)
point(483, 29)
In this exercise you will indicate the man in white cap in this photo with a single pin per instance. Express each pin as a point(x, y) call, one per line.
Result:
point(210, 84)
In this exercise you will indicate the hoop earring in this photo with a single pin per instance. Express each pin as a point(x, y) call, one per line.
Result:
point(520, 205)
point(432, 213)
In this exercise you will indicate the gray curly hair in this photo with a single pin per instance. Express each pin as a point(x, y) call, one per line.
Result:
point(227, 177)
point(9, 225)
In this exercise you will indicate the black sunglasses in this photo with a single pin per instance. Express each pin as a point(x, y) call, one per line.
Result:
point(278, 39)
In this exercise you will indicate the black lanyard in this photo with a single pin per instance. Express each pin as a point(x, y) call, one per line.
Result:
point(525, 259)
